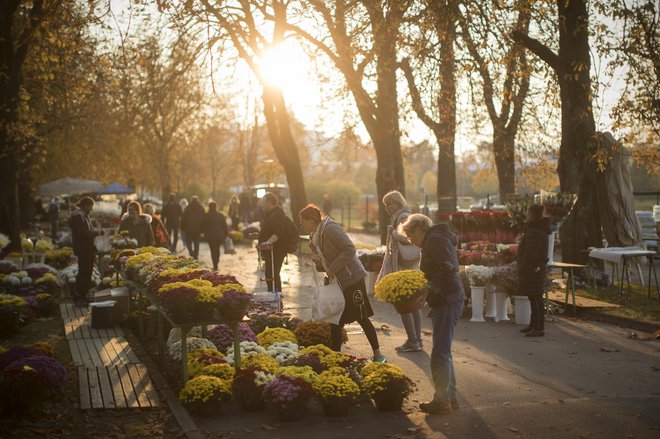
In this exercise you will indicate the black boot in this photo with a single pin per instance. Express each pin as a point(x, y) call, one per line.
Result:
point(535, 333)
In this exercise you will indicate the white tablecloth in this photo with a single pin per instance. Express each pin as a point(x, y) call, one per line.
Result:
point(615, 254)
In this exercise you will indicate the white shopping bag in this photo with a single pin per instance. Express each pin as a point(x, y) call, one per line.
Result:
point(328, 304)
point(229, 246)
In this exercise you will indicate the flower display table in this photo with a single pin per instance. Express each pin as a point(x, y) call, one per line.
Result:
point(141, 290)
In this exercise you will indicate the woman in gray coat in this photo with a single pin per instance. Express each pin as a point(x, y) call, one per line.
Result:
point(335, 254)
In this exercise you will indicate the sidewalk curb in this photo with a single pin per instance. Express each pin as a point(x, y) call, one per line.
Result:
point(620, 321)
point(186, 422)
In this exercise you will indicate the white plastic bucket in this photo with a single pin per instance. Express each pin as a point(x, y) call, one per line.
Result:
point(523, 310)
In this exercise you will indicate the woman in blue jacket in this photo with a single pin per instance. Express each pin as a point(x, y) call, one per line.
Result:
point(446, 298)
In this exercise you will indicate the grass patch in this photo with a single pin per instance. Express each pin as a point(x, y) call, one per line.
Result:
point(639, 308)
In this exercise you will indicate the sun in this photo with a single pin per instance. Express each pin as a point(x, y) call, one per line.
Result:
point(287, 67)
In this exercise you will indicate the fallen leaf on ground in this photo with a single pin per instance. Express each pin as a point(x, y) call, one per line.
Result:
point(608, 350)
point(515, 430)
point(269, 427)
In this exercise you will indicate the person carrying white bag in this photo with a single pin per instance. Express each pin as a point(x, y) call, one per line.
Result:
point(335, 254)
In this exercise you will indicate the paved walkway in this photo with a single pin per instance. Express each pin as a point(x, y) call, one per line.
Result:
point(583, 380)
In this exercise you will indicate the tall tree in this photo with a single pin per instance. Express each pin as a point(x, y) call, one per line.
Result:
point(242, 23)
point(361, 39)
point(20, 22)
point(500, 66)
point(443, 16)
point(577, 168)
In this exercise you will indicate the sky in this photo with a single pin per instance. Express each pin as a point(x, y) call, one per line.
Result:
point(307, 96)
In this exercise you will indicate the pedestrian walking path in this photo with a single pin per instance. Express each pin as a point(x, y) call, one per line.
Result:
point(110, 375)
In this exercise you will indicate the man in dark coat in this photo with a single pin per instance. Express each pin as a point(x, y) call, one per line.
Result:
point(532, 267)
point(215, 231)
point(171, 214)
point(446, 298)
point(83, 234)
point(192, 222)
point(272, 238)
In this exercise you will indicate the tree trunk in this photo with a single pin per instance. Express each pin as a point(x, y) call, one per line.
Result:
point(445, 131)
point(616, 203)
point(284, 145)
point(504, 150)
point(577, 170)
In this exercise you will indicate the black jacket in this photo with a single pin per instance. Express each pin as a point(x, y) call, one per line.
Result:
point(193, 218)
point(439, 264)
point(82, 233)
point(275, 224)
point(533, 257)
point(172, 213)
point(215, 226)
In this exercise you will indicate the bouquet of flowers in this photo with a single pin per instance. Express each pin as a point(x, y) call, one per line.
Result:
point(304, 372)
point(247, 348)
point(205, 394)
point(122, 241)
point(202, 357)
point(195, 331)
point(310, 360)
point(234, 303)
point(283, 351)
point(263, 361)
point(179, 303)
point(506, 279)
point(219, 370)
point(329, 358)
point(388, 386)
point(223, 337)
point(27, 245)
point(478, 275)
point(34, 378)
point(248, 387)
point(517, 211)
point(260, 320)
point(289, 396)
point(14, 314)
point(400, 286)
point(194, 343)
point(59, 258)
point(310, 333)
point(274, 335)
point(236, 235)
point(557, 206)
point(216, 278)
point(336, 391)
point(43, 245)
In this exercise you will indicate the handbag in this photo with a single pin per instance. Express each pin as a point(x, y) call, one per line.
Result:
point(229, 246)
point(408, 252)
point(328, 302)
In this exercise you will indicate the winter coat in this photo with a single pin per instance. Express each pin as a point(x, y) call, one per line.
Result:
point(215, 226)
point(533, 257)
point(392, 261)
point(440, 266)
point(82, 234)
point(193, 219)
point(275, 224)
point(141, 230)
point(172, 212)
point(161, 237)
point(339, 252)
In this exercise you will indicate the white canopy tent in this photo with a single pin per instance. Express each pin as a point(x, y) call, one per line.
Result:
point(69, 186)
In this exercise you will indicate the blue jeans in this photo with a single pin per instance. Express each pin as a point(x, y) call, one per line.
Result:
point(444, 321)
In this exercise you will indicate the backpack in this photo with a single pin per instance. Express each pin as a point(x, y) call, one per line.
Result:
point(292, 237)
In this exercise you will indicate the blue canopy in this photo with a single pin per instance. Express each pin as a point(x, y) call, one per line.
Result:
point(115, 188)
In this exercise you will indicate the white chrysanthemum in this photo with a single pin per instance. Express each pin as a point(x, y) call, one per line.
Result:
point(194, 343)
point(175, 334)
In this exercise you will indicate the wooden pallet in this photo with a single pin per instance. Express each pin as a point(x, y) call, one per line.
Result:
point(102, 351)
point(77, 324)
point(118, 386)
point(109, 372)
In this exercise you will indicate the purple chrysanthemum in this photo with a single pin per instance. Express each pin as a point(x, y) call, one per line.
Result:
point(222, 336)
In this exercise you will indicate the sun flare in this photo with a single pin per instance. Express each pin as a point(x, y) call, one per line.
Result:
point(288, 68)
